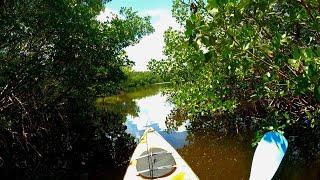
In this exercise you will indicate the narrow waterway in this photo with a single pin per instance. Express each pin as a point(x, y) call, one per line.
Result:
point(212, 150)
point(153, 111)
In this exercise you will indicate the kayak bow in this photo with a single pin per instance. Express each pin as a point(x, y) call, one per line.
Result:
point(155, 158)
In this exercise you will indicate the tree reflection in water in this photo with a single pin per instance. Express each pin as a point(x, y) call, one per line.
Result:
point(121, 105)
point(221, 148)
point(75, 148)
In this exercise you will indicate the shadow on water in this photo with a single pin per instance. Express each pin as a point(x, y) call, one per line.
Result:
point(221, 148)
point(216, 156)
point(216, 149)
point(75, 148)
point(302, 160)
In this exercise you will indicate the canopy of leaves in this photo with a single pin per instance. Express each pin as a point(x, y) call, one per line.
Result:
point(55, 57)
point(256, 58)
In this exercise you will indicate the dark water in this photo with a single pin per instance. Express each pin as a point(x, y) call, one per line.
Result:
point(214, 150)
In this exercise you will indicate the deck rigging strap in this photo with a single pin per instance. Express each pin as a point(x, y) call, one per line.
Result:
point(153, 153)
point(159, 164)
point(158, 168)
point(148, 153)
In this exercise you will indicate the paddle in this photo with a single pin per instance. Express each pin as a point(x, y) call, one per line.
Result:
point(268, 156)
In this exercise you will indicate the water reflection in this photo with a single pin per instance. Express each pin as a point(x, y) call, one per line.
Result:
point(153, 112)
point(218, 148)
point(211, 151)
point(216, 156)
point(146, 107)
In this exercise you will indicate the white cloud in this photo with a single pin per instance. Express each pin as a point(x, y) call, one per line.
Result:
point(152, 114)
point(151, 46)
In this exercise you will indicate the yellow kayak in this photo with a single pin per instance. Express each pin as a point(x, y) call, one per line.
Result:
point(155, 158)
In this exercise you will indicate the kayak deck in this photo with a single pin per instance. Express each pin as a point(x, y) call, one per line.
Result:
point(150, 142)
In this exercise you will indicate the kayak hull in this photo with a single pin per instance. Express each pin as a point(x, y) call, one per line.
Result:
point(150, 140)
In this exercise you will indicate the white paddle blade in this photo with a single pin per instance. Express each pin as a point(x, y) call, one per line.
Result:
point(268, 156)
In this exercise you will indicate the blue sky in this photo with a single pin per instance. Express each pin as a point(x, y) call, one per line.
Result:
point(151, 46)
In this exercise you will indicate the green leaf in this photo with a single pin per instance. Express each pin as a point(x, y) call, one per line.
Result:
point(292, 61)
point(312, 70)
point(213, 11)
point(296, 54)
point(246, 47)
point(212, 3)
point(243, 3)
point(318, 51)
point(189, 28)
point(222, 2)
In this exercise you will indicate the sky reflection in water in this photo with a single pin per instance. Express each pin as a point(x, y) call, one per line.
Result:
point(153, 111)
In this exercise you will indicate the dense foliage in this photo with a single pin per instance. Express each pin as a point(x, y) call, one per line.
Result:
point(247, 59)
point(55, 57)
point(136, 79)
